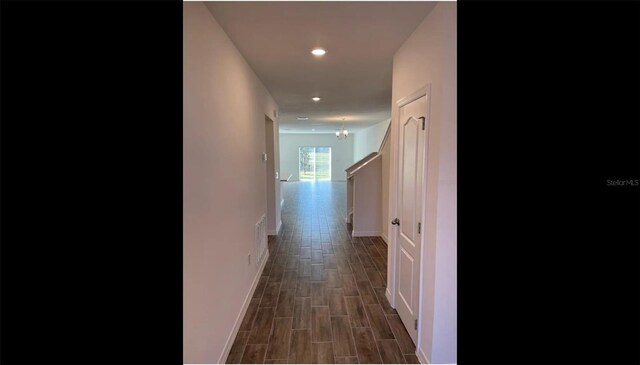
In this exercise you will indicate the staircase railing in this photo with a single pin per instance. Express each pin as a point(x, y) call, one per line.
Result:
point(385, 139)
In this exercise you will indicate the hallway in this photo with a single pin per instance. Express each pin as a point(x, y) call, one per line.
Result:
point(265, 85)
point(321, 296)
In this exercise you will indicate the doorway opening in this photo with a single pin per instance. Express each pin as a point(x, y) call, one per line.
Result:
point(314, 163)
point(271, 177)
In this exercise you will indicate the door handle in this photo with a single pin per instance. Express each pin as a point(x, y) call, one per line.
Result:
point(396, 222)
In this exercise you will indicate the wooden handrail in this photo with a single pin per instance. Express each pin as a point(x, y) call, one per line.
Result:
point(386, 137)
point(370, 157)
point(361, 162)
point(364, 165)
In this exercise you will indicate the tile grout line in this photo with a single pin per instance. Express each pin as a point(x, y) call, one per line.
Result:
point(275, 309)
point(308, 226)
point(378, 300)
point(385, 315)
point(244, 348)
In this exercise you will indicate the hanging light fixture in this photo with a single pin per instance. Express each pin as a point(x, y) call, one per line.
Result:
point(342, 133)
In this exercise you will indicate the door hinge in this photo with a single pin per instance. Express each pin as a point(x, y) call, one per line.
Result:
point(419, 226)
point(416, 325)
point(423, 121)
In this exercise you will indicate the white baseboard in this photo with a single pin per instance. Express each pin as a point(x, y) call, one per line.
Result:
point(384, 238)
point(387, 293)
point(421, 356)
point(243, 311)
point(275, 232)
point(365, 234)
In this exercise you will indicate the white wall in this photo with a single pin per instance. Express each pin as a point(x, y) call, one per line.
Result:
point(224, 192)
point(341, 153)
point(369, 139)
point(429, 57)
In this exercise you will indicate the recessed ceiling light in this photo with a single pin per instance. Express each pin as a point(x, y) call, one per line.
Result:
point(303, 118)
point(315, 98)
point(313, 130)
point(318, 52)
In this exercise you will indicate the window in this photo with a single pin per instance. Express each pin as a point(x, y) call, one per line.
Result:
point(314, 163)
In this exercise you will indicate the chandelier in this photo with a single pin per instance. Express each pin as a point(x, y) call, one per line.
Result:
point(342, 133)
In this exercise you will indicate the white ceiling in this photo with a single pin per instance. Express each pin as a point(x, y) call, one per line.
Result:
point(353, 78)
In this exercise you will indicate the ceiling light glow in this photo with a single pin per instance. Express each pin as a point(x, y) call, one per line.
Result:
point(315, 98)
point(318, 52)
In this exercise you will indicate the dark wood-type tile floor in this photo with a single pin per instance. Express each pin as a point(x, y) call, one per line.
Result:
point(321, 296)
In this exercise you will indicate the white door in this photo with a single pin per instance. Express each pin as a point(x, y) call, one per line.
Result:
point(412, 134)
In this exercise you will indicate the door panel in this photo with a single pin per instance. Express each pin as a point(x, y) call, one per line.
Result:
point(405, 280)
point(408, 187)
point(409, 211)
